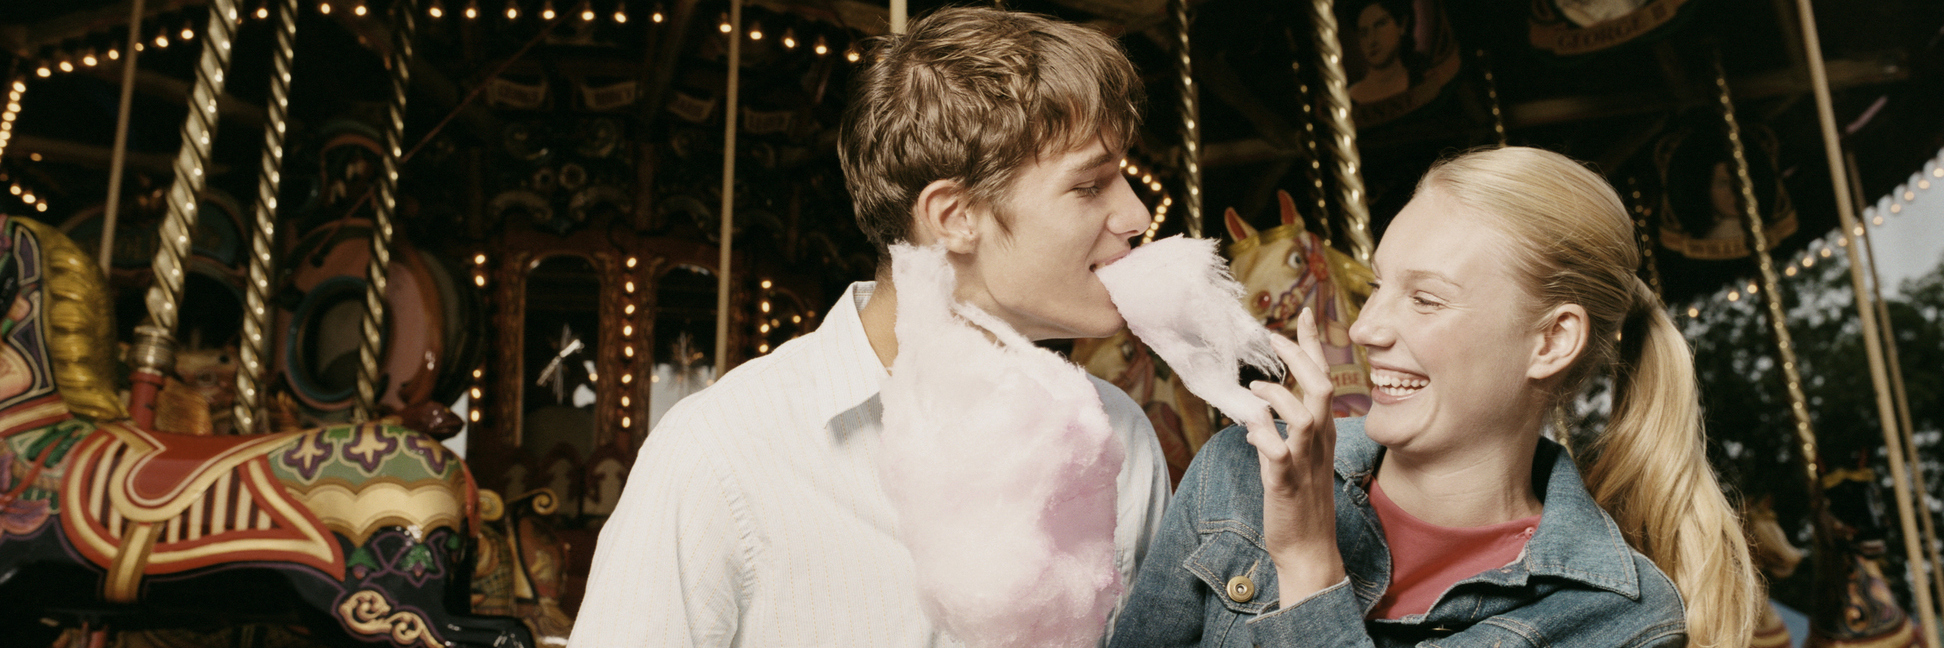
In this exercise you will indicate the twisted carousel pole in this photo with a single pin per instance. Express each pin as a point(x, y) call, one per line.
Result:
point(1772, 295)
point(153, 353)
point(1191, 174)
point(256, 310)
point(1872, 346)
point(1491, 95)
point(1343, 131)
point(371, 347)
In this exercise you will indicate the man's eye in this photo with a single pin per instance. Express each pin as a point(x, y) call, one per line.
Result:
point(1090, 191)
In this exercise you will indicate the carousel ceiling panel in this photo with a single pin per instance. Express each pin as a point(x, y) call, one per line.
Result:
point(1608, 101)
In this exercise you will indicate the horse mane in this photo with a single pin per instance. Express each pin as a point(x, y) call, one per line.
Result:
point(80, 325)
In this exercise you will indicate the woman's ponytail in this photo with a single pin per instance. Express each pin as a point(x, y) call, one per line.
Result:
point(1650, 471)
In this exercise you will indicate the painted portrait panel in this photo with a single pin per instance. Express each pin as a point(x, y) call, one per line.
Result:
point(1570, 27)
point(1397, 54)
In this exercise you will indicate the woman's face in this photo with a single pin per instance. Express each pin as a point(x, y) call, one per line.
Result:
point(1378, 34)
point(1449, 331)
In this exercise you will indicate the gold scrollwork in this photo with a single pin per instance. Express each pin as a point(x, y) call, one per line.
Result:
point(367, 612)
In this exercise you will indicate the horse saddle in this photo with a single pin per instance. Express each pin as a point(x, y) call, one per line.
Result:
point(144, 502)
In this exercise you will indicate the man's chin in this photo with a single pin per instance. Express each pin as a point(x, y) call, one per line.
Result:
point(1105, 327)
point(1079, 332)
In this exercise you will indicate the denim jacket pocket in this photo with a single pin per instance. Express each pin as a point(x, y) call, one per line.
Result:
point(1237, 570)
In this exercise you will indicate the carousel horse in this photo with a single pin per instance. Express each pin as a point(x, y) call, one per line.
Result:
point(1854, 606)
point(359, 533)
point(1180, 417)
point(1769, 547)
point(522, 564)
point(1286, 268)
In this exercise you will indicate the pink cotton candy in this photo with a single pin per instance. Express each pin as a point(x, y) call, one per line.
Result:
point(1178, 297)
point(1000, 462)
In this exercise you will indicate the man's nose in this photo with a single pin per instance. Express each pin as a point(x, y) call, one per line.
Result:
point(1130, 215)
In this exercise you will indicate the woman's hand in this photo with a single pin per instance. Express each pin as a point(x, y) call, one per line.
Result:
point(1298, 499)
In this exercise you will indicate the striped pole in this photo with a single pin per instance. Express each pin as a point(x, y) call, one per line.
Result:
point(371, 348)
point(1343, 131)
point(153, 353)
point(256, 310)
point(1191, 174)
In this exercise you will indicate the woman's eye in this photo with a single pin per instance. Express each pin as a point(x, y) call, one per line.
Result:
point(1422, 302)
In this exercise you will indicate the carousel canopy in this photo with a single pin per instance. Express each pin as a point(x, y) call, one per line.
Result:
point(1628, 85)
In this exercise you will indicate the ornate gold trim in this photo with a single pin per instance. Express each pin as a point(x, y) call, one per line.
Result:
point(124, 584)
point(367, 612)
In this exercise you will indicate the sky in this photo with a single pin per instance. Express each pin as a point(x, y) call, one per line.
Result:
point(1910, 242)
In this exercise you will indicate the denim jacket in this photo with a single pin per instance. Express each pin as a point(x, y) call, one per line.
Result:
point(1209, 582)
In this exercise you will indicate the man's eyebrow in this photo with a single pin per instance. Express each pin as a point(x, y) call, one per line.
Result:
point(1092, 162)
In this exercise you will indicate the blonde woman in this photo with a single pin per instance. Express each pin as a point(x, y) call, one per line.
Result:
point(1445, 517)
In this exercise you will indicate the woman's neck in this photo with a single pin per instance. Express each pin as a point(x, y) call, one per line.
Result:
point(1490, 483)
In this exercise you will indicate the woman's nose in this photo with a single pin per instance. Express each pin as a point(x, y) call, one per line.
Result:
point(1372, 328)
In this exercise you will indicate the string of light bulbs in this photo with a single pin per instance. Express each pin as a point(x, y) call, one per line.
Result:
point(1826, 247)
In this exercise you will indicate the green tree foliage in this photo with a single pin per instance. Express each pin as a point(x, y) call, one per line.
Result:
point(1751, 433)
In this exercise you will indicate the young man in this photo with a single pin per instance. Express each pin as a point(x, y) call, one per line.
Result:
point(755, 516)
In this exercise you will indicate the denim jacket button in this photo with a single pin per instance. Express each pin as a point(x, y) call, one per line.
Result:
point(1241, 589)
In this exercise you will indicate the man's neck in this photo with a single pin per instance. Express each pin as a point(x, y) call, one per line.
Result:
point(880, 319)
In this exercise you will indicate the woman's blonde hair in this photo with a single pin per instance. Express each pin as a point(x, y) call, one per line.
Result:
point(1573, 243)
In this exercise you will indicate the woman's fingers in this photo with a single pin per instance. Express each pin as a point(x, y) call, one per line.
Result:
point(1286, 406)
point(1314, 376)
point(1267, 441)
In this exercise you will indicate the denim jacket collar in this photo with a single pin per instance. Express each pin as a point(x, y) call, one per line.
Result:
point(1575, 540)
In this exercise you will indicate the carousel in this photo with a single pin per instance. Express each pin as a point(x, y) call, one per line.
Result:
point(340, 322)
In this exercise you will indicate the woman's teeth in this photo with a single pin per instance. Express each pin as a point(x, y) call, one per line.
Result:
point(1398, 385)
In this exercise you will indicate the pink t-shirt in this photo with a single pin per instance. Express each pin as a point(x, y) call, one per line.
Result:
point(1427, 559)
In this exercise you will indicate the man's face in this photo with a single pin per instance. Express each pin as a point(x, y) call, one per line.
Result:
point(1070, 213)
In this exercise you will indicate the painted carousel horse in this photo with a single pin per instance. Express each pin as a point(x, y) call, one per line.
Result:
point(1854, 606)
point(1769, 547)
point(1286, 268)
point(359, 533)
point(522, 564)
point(1180, 418)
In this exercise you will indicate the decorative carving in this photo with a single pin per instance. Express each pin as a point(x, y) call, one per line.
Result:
point(367, 612)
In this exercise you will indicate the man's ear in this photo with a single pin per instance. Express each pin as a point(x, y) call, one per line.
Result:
point(1562, 337)
point(943, 214)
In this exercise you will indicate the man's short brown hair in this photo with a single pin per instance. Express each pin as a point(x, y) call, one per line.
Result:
point(970, 95)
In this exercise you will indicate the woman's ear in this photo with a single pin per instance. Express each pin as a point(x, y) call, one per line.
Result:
point(1562, 337)
point(943, 214)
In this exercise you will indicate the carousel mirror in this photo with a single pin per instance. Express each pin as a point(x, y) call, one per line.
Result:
point(684, 352)
point(561, 373)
